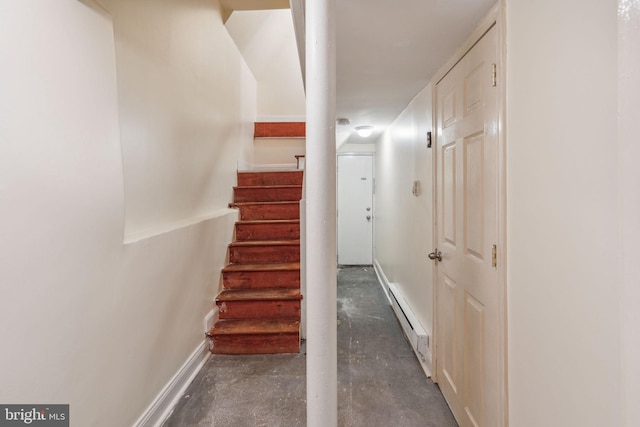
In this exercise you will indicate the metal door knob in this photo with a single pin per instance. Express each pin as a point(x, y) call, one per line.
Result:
point(436, 255)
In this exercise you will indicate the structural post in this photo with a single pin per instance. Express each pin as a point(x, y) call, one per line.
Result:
point(320, 196)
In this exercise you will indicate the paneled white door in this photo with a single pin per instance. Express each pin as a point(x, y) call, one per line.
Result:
point(467, 282)
point(355, 209)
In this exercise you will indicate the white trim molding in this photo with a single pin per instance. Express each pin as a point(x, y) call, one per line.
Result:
point(384, 282)
point(163, 404)
point(298, 15)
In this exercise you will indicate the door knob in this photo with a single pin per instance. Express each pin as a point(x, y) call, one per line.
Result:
point(368, 209)
point(368, 217)
point(436, 255)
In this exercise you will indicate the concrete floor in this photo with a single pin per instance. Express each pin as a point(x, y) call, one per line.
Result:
point(380, 382)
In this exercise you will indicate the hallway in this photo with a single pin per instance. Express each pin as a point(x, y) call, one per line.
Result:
point(380, 383)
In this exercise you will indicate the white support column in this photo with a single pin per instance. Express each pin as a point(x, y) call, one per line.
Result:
point(628, 178)
point(320, 178)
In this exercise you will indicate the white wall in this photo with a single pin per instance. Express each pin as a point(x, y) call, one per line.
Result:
point(278, 150)
point(357, 148)
point(403, 222)
point(266, 39)
point(88, 320)
point(170, 87)
point(563, 211)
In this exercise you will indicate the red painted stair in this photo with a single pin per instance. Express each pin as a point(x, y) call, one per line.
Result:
point(279, 303)
point(256, 336)
point(264, 251)
point(252, 276)
point(251, 211)
point(259, 306)
point(288, 229)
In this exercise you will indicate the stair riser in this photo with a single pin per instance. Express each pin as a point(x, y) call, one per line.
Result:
point(256, 344)
point(264, 254)
point(259, 309)
point(269, 178)
point(288, 211)
point(261, 279)
point(247, 194)
point(286, 231)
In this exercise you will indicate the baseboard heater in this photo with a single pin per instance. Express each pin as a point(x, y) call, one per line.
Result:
point(414, 331)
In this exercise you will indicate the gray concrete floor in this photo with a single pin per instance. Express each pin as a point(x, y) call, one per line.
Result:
point(380, 382)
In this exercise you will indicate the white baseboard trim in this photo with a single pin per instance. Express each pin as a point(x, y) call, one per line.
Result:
point(413, 330)
point(211, 318)
point(163, 404)
point(384, 282)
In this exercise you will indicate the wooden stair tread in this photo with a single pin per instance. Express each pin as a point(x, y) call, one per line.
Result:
point(271, 187)
point(286, 202)
point(262, 267)
point(271, 171)
point(268, 221)
point(252, 243)
point(255, 326)
point(268, 294)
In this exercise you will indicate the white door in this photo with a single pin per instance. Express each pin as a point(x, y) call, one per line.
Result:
point(467, 286)
point(355, 209)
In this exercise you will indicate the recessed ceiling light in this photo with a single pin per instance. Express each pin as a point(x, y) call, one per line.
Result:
point(364, 131)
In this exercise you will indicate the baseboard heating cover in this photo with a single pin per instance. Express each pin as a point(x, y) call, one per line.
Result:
point(414, 331)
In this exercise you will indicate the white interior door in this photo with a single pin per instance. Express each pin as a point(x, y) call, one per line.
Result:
point(355, 209)
point(467, 282)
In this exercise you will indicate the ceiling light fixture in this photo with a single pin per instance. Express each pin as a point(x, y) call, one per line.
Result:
point(364, 131)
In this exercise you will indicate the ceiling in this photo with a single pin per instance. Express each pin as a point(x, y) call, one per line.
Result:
point(387, 52)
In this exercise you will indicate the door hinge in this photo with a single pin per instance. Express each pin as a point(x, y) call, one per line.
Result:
point(494, 75)
point(494, 256)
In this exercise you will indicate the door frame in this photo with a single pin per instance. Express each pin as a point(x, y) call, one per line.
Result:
point(373, 198)
point(496, 17)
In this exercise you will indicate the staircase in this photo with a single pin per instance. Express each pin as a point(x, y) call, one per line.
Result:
point(259, 305)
